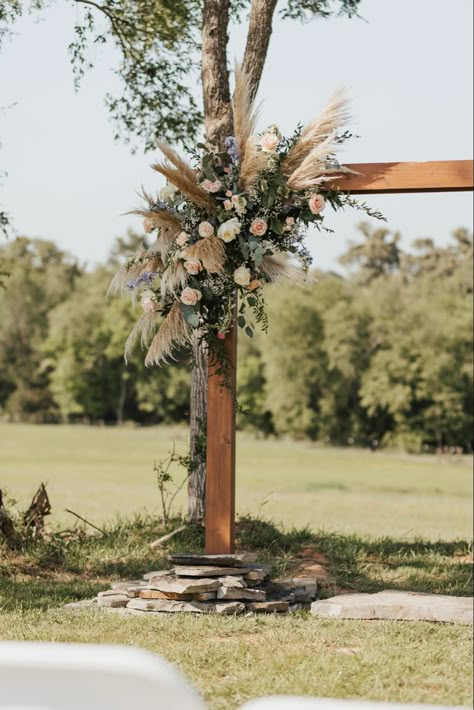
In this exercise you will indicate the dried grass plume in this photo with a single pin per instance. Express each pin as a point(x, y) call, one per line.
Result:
point(174, 332)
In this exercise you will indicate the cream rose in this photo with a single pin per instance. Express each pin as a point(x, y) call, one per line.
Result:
point(258, 227)
point(316, 203)
point(242, 276)
point(210, 186)
point(190, 296)
point(239, 203)
point(168, 192)
point(206, 229)
point(229, 230)
point(228, 205)
point(182, 239)
point(269, 141)
point(192, 266)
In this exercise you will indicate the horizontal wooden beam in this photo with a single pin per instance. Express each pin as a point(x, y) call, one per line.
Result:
point(432, 176)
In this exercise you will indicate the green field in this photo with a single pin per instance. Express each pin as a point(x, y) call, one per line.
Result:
point(364, 511)
point(101, 472)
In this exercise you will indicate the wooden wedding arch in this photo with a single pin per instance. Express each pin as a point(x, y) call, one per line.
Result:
point(371, 178)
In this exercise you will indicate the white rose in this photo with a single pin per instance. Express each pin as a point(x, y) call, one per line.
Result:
point(190, 296)
point(229, 230)
point(182, 239)
point(168, 192)
point(239, 203)
point(242, 276)
point(206, 229)
point(192, 266)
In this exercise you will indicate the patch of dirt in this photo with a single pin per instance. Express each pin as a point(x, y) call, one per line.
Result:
point(310, 563)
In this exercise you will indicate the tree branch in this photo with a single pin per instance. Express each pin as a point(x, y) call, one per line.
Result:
point(258, 39)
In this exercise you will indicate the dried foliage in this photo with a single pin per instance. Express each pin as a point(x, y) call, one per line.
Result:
point(174, 332)
point(209, 251)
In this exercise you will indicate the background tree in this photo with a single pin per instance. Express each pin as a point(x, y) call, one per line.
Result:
point(163, 44)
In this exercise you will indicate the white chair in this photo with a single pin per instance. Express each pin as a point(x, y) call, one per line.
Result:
point(56, 676)
point(289, 702)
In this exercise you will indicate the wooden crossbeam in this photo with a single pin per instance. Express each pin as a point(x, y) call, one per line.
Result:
point(432, 176)
point(372, 178)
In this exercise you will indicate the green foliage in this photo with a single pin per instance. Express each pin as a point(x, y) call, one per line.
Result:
point(380, 357)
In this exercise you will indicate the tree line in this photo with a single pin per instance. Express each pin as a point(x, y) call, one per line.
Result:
point(381, 356)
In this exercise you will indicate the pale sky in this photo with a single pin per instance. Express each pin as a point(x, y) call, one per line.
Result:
point(407, 67)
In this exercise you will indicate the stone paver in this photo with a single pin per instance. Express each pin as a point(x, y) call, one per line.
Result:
point(397, 605)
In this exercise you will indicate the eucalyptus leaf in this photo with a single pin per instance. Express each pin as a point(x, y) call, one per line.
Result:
point(249, 332)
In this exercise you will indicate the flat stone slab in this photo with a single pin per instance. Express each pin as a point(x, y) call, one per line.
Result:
point(180, 585)
point(120, 586)
point(254, 595)
point(114, 599)
point(239, 560)
point(397, 605)
point(232, 581)
point(257, 573)
point(157, 573)
point(206, 571)
point(170, 606)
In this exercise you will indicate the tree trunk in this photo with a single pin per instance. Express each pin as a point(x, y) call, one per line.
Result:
point(218, 122)
point(197, 425)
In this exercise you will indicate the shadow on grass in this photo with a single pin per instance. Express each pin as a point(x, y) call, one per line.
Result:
point(66, 568)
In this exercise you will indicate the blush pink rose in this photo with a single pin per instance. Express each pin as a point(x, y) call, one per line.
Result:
point(190, 296)
point(316, 203)
point(148, 304)
point(206, 229)
point(268, 142)
point(182, 239)
point(228, 205)
point(220, 335)
point(210, 186)
point(258, 227)
point(192, 266)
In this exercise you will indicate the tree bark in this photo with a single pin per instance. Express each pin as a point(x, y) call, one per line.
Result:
point(214, 72)
point(218, 123)
point(197, 426)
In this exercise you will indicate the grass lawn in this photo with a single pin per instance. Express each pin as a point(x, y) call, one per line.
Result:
point(364, 511)
point(102, 472)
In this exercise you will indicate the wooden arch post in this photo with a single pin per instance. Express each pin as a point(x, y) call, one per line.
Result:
point(371, 178)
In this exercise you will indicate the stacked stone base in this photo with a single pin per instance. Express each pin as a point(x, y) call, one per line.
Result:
point(208, 584)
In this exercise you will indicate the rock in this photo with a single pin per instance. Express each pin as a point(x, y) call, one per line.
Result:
point(268, 607)
point(178, 585)
point(205, 596)
point(409, 606)
point(82, 604)
point(239, 560)
point(258, 573)
point(120, 586)
point(157, 573)
point(254, 595)
point(156, 594)
point(134, 591)
point(209, 571)
point(237, 582)
point(112, 600)
point(171, 606)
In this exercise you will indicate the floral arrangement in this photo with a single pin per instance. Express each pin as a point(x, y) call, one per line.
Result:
point(228, 223)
